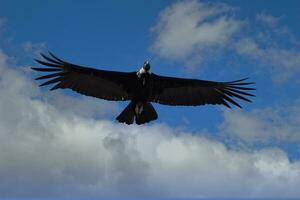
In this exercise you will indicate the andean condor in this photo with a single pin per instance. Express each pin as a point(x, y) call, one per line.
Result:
point(140, 88)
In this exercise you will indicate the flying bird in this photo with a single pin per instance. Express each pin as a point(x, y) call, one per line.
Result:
point(140, 88)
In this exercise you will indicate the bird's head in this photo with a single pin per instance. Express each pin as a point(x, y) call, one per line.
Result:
point(146, 66)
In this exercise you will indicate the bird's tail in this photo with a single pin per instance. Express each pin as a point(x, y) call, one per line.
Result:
point(127, 115)
point(148, 114)
point(142, 114)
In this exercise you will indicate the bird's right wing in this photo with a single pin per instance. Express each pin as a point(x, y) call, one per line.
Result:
point(193, 92)
point(108, 85)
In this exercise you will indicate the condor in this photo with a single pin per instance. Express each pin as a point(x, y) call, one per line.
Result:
point(140, 88)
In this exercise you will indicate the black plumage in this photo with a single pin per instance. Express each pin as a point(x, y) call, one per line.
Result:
point(140, 88)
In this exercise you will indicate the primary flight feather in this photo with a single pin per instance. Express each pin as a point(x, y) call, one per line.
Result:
point(140, 88)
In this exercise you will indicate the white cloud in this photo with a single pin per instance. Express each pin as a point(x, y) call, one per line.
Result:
point(190, 29)
point(47, 153)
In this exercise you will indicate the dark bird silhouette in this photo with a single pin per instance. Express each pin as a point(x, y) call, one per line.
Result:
point(140, 88)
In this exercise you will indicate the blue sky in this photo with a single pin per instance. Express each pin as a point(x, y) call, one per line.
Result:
point(212, 40)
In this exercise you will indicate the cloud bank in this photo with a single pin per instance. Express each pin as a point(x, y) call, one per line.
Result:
point(47, 149)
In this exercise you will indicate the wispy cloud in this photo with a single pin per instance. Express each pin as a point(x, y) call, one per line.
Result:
point(281, 59)
point(45, 152)
point(267, 19)
point(33, 49)
point(282, 63)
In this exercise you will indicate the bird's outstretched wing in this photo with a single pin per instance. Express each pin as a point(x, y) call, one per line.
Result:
point(193, 92)
point(108, 85)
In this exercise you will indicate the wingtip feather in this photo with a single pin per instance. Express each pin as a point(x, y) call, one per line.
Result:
point(56, 58)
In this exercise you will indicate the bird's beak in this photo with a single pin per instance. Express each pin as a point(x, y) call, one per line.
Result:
point(146, 66)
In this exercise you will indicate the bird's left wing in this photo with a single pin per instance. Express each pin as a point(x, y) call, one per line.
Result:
point(108, 85)
point(193, 92)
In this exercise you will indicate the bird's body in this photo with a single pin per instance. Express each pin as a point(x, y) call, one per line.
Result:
point(140, 88)
point(139, 105)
